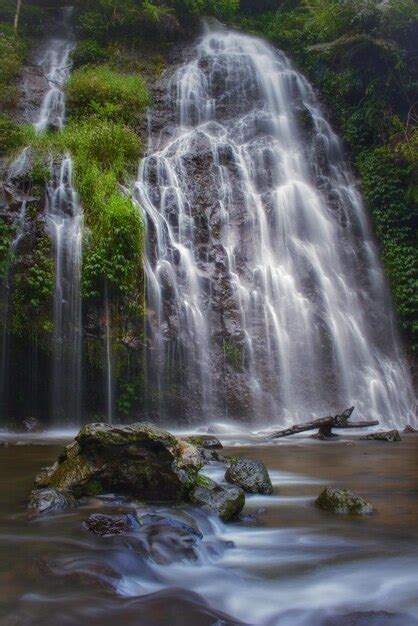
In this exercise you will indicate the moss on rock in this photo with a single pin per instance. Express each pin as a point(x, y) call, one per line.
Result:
point(338, 500)
point(251, 475)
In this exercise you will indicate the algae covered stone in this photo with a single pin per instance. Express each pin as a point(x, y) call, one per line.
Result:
point(338, 500)
point(139, 460)
point(251, 475)
point(226, 501)
point(209, 442)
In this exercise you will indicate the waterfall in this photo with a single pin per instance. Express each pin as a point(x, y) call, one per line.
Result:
point(65, 227)
point(55, 66)
point(109, 368)
point(265, 294)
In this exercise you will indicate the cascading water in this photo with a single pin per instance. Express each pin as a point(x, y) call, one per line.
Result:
point(65, 225)
point(64, 221)
point(55, 66)
point(265, 294)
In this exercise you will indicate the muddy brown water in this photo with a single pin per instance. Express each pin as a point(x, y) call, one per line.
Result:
point(285, 564)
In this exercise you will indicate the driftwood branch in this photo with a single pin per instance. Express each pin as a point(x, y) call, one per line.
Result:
point(324, 425)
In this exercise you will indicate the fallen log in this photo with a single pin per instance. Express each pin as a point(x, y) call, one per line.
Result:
point(324, 425)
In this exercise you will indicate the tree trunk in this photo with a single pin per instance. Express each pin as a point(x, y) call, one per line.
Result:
point(17, 15)
point(324, 425)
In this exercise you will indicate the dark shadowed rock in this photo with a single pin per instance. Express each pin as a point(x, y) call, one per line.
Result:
point(338, 500)
point(370, 618)
point(167, 540)
point(153, 536)
point(228, 502)
point(389, 435)
point(139, 460)
point(107, 525)
point(49, 500)
point(252, 476)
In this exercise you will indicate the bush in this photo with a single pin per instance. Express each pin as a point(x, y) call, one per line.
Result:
point(107, 94)
point(11, 136)
point(11, 57)
point(88, 51)
point(115, 251)
point(107, 144)
point(224, 9)
point(385, 176)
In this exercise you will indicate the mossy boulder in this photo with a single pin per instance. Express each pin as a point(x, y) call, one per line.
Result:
point(251, 475)
point(338, 500)
point(227, 502)
point(139, 460)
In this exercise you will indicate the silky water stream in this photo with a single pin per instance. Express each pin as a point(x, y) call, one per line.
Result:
point(284, 564)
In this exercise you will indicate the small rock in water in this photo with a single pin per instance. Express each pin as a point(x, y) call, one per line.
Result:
point(338, 500)
point(206, 441)
point(108, 525)
point(252, 476)
point(409, 429)
point(49, 500)
point(370, 618)
point(228, 502)
point(388, 435)
point(168, 540)
point(160, 520)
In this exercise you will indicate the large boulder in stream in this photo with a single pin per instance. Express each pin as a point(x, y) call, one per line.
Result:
point(139, 460)
point(337, 500)
point(251, 475)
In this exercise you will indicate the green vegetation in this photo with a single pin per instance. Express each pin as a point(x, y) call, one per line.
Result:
point(32, 293)
point(12, 51)
point(107, 94)
point(6, 236)
point(11, 135)
point(233, 354)
point(362, 56)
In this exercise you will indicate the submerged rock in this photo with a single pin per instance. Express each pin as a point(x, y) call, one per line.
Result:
point(227, 501)
point(167, 540)
point(108, 525)
point(370, 618)
point(49, 500)
point(139, 460)
point(153, 536)
point(252, 476)
point(389, 435)
point(338, 500)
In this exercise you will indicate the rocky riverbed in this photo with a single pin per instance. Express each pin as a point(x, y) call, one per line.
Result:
point(284, 562)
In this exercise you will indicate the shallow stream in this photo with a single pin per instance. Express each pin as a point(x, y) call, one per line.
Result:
point(285, 564)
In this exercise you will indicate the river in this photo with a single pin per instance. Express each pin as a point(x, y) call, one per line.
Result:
point(286, 563)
